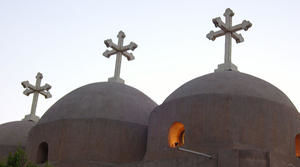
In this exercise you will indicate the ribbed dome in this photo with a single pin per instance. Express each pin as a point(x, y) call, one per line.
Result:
point(231, 83)
point(102, 100)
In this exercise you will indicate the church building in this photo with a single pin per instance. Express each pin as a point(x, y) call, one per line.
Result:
point(223, 119)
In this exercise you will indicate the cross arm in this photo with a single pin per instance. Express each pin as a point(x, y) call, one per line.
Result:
point(213, 35)
point(109, 43)
point(219, 23)
point(238, 37)
point(27, 92)
point(46, 94)
point(45, 87)
point(131, 46)
point(108, 53)
point(129, 56)
point(26, 84)
point(245, 25)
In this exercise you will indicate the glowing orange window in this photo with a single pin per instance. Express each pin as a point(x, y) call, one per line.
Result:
point(297, 145)
point(176, 135)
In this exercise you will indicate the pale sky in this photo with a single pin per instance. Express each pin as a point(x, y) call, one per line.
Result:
point(63, 39)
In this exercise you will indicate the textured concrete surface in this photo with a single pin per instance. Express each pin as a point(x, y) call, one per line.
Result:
point(231, 83)
point(13, 135)
point(99, 123)
point(192, 161)
point(102, 100)
point(227, 110)
point(224, 158)
point(97, 140)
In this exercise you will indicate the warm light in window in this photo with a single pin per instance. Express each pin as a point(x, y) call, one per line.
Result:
point(176, 135)
point(297, 145)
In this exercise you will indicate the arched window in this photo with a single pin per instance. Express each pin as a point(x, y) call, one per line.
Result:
point(297, 145)
point(176, 135)
point(42, 153)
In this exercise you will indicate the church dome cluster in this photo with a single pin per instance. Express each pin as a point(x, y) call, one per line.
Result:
point(225, 118)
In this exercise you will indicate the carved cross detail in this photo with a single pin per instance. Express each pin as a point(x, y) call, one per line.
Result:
point(119, 50)
point(230, 32)
point(36, 90)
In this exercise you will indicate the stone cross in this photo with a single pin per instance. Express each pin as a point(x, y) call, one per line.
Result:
point(119, 50)
point(230, 32)
point(36, 90)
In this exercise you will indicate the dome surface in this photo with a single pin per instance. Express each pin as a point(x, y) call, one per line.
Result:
point(102, 100)
point(15, 133)
point(231, 83)
point(224, 111)
point(99, 123)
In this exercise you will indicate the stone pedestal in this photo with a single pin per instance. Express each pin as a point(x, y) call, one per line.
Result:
point(226, 67)
point(114, 79)
point(31, 117)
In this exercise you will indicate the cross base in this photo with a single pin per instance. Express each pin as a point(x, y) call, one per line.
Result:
point(30, 117)
point(116, 79)
point(226, 67)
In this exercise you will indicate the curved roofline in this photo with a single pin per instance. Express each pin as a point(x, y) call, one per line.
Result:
point(230, 83)
point(15, 133)
point(102, 100)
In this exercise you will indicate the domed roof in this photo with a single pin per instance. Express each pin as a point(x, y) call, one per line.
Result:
point(231, 83)
point(107, 100)
point(15, 133)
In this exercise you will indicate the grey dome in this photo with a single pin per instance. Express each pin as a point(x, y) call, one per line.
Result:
point(231, 83)
point(77, 123)
point(102, 100)
point(15, 133)
point(225, 111)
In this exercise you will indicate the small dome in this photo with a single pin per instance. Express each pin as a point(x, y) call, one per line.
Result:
point(98, 123)
point(102, 100)
point(231, 83)
point(13, 135)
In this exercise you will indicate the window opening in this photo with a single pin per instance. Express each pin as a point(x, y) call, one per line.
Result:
point(42, 153)
point(176, 135)
point(297, 145)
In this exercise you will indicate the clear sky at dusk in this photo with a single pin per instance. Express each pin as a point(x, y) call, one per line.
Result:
point(63, 39)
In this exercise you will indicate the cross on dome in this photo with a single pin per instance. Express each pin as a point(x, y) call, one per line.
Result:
point(119, 50)
point(36, 90)
point(230, 32)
